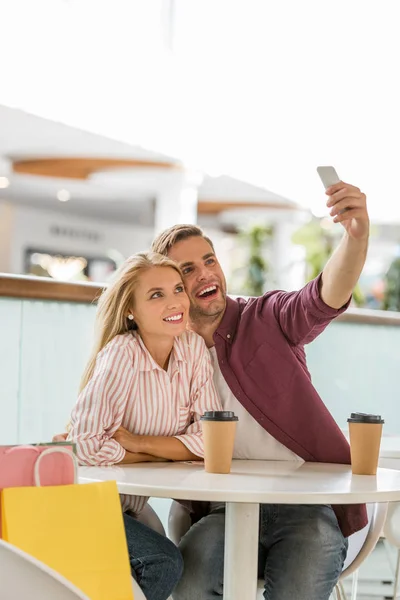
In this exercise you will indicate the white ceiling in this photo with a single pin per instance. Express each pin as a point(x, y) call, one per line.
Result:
point(311, 83)
point(86, 199)
point(23, 135)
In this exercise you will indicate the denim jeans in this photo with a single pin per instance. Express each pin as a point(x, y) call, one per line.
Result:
point(300, 555)
point(156, 563)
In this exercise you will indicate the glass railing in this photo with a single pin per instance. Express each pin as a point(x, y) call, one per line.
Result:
point(44, 345)
point(355, 366)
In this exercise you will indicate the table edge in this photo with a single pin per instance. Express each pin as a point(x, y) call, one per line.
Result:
point(132, 489)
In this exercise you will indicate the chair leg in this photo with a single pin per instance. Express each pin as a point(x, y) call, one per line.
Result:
point(343, 595)
point(396, 577)
point(354, 586)
point(338, 595)
point(388, 547)
point(339, 591)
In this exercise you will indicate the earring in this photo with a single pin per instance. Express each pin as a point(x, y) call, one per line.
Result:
point(130, 317)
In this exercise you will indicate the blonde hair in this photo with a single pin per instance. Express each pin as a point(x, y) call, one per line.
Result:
point(116, 302)
point(168, 238)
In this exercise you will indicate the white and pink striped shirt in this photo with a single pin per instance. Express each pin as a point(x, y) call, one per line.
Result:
point(129, 389)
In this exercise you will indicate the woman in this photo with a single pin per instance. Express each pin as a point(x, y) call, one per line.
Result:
point(144, 389)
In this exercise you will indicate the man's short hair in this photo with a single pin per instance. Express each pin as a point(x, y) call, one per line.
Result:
point(171, 236)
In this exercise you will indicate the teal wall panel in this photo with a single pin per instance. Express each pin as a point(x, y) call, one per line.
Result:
point(44, 346)
point(10, 339)
point(55, 345)
point(356, 367)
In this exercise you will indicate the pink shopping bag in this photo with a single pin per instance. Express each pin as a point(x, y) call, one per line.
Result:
point(19, 466)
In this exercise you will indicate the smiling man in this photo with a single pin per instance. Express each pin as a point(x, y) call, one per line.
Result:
point(257, 348)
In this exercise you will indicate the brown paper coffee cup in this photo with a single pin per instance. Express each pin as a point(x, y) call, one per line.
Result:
point(365, 441)
point(219, 429)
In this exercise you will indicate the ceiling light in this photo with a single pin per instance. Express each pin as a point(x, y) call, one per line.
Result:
point(4, 183)
point(63, 195)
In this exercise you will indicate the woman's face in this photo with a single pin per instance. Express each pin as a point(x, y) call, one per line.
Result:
point(161, 306)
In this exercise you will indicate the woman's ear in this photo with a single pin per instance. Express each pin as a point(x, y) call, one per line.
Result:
point(131, 322)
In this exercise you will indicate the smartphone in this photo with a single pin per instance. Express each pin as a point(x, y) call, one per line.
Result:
point(328, 176)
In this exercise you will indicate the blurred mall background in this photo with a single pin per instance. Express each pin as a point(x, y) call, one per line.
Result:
point(120, 118)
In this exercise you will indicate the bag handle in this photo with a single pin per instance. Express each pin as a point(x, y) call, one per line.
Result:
point(18, 448)
point(36, 473)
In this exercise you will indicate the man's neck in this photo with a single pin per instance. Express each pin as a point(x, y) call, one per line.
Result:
point(206, 327)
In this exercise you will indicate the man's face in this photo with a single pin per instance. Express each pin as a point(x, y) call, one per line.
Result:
point(202, 275)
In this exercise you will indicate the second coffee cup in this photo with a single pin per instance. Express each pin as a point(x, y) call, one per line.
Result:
point(219, 429)
point(365, 440)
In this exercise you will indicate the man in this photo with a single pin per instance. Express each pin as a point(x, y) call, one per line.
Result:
point(257, 347)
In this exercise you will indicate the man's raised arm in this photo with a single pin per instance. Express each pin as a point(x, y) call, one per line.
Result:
point(342, 271)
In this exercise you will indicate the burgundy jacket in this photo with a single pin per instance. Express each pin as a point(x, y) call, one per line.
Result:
point(260, 348)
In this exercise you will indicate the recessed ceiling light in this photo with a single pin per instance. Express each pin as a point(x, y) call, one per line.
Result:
point(63, 195)
point(4, 183)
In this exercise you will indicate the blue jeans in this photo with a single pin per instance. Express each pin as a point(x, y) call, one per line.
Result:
point(156, 563)
point(300, 555)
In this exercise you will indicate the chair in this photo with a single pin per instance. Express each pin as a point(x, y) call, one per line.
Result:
point(391, 531)
point(137, 592)
point(22, 576)
point(149, 517)
point(360, 547)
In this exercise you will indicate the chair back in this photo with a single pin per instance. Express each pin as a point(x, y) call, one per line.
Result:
point(22, 577)
point(149, 517)
point(392, 524)
point(362, 543)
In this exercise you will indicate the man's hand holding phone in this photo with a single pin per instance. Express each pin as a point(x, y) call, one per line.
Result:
point(347, 204)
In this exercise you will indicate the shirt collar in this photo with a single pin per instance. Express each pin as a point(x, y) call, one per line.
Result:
point(147, 362)
point(227, 327)
point(178, 350)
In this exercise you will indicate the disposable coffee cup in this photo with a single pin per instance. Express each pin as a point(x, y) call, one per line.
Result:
point(219, 429)
point(365, 440)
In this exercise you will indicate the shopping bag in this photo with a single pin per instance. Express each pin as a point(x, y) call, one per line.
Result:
point(17, 466)
point(76, 530)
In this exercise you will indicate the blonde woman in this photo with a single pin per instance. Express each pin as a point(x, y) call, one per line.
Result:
point(144, 389)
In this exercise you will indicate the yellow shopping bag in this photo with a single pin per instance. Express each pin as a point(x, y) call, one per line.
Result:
point(77, 530)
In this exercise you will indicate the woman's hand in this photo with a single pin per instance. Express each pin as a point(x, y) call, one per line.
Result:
point(138, 457)
point(60, 437)
point(166, 447)
point(129, 441)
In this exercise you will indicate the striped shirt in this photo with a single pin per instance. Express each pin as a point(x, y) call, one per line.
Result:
point(129, 389)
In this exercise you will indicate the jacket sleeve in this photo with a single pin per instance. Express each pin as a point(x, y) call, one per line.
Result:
point(101, 405)
point(301, 315)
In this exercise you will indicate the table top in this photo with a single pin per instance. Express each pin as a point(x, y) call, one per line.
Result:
point(251, 481)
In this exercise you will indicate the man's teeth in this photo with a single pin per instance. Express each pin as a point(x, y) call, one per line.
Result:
point(175, 318)
point(212, 288)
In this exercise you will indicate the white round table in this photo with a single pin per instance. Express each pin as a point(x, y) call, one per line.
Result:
point(249, 484)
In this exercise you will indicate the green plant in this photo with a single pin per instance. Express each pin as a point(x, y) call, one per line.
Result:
point(319, 243)
point(257, 268)
point(391, 299)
